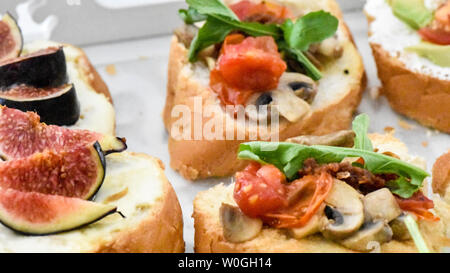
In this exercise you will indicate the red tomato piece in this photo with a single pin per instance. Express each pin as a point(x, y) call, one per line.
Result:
point(259, 190)
point(263, 12)
point(418, 204)
point(436, 36)
point(245, 66)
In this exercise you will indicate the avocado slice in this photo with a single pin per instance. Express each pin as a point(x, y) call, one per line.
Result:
point(438, 54)
point(412, 12)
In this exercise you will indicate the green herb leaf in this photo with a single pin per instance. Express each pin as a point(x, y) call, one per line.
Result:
point(211, 32)
point(402, 187)
point(414, 230)
point(298, 55)
point(191, 16)
point(216, 29)
point(360, 127)
point(312, 28)
point(212, 7)
point(289, 158)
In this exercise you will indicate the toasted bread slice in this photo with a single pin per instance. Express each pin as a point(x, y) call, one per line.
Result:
point(136, 184)
point(209, 233)
point(339, 94)
point(413, 85)
point(441, 176)
point(97, 112)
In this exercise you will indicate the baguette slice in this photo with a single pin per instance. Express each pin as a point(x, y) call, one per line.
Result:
point(441, 176)
point(136, 184)
point(209, 233)
point(413, 86)
point(339, 94)
point(97, 112)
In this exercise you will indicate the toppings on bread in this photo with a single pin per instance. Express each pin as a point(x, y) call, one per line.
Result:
point(355, 198)
point(281, 62)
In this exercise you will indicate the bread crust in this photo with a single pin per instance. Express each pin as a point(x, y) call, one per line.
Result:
point(209, 234)
point(196, 159)
point(441, 176)
point(418, 96)
point(160, 232)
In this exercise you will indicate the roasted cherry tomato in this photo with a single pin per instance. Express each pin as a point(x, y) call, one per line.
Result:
point(263, 12)
point(301, 212)
point(245, 66)
point(263, 192)
point(419, 205)
point(259, 190)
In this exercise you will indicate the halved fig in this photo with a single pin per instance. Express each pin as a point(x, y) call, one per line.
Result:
point(34, 213)
point(41, 69)
point(78, 172)
point(11, 41)
point(22, 134)
point(58, 106)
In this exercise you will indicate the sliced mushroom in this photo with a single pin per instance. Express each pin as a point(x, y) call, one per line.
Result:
point(343, 138)
point(303, 86)
point(259, 106)
point(237, 227)
point(370, 232)
point(344, 212)
point(311, 228)
point(398, 226)
point(289, 105)
point(381, 205)
point(290, 99)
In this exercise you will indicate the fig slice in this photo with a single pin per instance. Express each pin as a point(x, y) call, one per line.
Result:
point(58, 106)
point(41, 69)
point(22, 134)
point(11, 41)
point(34, 213)
point(78, 172)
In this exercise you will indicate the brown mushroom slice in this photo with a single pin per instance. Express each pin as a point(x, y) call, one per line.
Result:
point(344, 138)
point(312, 227)
point(345, 212)
point(371, 232)
point(303, 86)
point(237, 227)
point(289, 105)
point(381, 205)
point(399, 229)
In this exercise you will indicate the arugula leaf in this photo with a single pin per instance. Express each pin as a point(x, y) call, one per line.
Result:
point(211, 32)
point(292, 38)
point(298, 55)
point(289, 158)
point(191, 16)
point(312, 28)
point(216, 29)
point(360, 127)
point(402, 187)
point(414, 230)
point(212, 7)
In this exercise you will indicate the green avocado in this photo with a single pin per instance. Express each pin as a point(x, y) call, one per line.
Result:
point(412, 12)
point(438, 54)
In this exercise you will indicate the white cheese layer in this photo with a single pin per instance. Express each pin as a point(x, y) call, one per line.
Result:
point(97, 113)
point(394, 36)
point(137, 175)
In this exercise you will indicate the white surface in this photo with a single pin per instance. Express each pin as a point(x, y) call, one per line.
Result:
point(139, 90)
